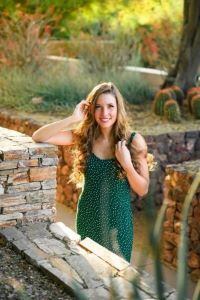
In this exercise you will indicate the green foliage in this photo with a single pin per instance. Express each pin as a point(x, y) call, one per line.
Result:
point(195, 105)
point(60, 87)
point(152, 31)
point(34, 84)
point(134, 90)
point(58, 12)
point(172, 111)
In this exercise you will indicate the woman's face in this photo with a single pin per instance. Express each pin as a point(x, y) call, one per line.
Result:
point(105, 111)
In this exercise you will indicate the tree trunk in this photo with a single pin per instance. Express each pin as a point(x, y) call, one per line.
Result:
point(186, 68)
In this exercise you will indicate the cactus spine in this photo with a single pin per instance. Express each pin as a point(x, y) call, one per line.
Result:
point(172, 111)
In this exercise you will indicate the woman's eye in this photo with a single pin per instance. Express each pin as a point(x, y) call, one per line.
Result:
point(97, 106)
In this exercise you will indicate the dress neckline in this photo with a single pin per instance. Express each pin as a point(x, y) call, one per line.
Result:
point(103, 159)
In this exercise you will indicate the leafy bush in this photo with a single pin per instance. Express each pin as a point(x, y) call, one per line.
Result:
point(154, 40)
point(23, 40)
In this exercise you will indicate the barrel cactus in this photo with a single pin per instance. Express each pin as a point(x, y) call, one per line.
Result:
point(179, 94)
point(172, 111)
point(195, 106)
point(190, 94)
point(161, 97)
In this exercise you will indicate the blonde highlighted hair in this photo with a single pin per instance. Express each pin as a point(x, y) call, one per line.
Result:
point(88, 130)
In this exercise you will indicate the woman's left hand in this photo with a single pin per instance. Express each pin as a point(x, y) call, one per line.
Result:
point(123, 155)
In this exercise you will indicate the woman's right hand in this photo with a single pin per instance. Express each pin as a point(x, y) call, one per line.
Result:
point(81, 111)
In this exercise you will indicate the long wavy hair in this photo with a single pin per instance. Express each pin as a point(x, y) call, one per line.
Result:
point(89, 130)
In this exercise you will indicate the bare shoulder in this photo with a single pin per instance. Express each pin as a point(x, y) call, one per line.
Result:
point(138, 143)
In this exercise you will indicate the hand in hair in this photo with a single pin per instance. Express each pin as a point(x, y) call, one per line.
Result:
point(81, 111)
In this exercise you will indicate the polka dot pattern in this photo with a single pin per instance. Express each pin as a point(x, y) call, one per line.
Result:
point(104, 208)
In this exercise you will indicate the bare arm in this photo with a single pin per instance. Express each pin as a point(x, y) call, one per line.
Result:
point(139, 182)
point(60, 132)
point(57, 133)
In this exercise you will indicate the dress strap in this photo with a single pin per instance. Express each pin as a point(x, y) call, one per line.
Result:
point(131, 137)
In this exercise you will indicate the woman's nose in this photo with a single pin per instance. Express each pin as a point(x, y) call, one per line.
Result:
point(104, 111)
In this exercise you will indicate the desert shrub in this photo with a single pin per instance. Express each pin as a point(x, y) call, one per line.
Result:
point(105, 55)
point(23, 40)
point(153, 41)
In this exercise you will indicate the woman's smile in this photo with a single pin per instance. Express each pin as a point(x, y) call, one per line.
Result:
point(106, 110)
point(105, 119)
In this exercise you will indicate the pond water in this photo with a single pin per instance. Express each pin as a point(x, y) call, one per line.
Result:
point(141, 256)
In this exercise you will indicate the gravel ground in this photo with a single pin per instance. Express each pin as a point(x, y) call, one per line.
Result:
point(21, 281)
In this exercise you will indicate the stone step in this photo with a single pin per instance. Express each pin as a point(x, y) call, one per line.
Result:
point(81, 266)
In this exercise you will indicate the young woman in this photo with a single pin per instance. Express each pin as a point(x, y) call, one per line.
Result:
point(109, 159)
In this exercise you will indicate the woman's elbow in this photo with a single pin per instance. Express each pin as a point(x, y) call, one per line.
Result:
point(35, 138)
point(144, 191)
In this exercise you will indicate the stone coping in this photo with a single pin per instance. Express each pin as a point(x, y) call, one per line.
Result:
point(11, 140)
point(85, 265)
point(191, 167)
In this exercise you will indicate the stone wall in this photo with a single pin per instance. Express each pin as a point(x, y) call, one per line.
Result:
point(177, 183)
point(27, 179)
point(174, 147)
point(170, 148)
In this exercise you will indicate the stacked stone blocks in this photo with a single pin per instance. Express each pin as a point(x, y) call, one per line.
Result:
point(168, 148)
point(80, 264)
point(27, 179)
point(178, 180)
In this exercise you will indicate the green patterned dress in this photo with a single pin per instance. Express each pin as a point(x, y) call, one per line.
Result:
point(104, 209)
